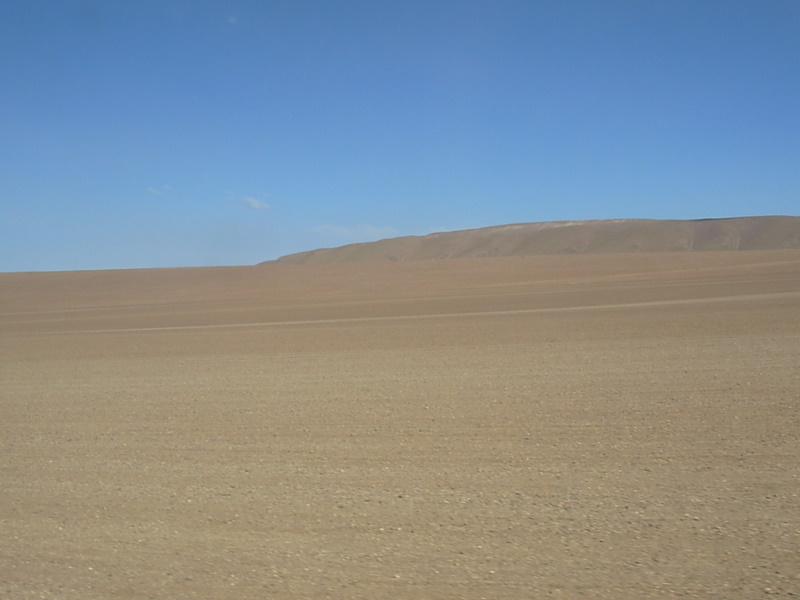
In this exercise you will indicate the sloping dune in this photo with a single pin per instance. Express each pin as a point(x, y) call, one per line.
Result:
point(571, 237)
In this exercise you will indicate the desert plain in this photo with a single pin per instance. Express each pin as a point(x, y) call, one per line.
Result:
point(618, 426)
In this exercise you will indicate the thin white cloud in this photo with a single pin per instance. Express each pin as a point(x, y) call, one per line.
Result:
point(255, 204)
point(159, 190)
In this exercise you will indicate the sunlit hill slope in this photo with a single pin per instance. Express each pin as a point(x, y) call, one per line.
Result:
point(572, 237)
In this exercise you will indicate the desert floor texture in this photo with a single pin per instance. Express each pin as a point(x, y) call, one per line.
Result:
point(607, 426)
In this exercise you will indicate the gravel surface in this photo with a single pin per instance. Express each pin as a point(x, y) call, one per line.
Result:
point(614, 435)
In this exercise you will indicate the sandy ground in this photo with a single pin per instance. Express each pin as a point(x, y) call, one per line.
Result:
point(569, 427)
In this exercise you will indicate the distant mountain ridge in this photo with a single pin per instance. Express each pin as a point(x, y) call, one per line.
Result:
point(572, 237)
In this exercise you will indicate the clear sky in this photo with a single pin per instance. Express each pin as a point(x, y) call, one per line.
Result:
point(149, 133)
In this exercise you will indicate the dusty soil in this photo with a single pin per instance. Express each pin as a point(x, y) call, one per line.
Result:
point(572, 427)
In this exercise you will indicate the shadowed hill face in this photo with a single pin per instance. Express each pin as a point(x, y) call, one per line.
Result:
point(572, 237)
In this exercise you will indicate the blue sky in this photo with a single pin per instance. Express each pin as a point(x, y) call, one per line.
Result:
point(155, 133)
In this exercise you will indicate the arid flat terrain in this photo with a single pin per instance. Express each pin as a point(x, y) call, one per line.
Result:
point(586, 426)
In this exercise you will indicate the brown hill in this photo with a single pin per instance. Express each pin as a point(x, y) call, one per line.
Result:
point(572, 237)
